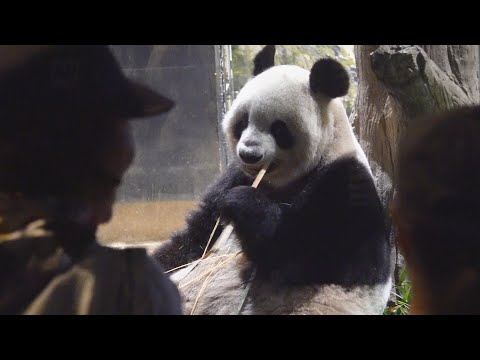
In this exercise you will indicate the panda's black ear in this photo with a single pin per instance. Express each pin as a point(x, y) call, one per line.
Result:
point(329, 77)
point(264, 60)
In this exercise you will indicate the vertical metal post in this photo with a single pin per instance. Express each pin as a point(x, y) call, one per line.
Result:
point(224, 77)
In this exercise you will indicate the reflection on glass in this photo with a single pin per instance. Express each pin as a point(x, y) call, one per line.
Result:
point(177, 154)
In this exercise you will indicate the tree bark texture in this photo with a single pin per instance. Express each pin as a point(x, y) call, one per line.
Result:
point(400, 83)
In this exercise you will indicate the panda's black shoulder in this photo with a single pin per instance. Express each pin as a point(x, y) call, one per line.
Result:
point(345, 182)
point(346, 165)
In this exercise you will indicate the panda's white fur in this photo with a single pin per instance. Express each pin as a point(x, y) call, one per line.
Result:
point(283, 92)
point(224, 292)
point(323, 136)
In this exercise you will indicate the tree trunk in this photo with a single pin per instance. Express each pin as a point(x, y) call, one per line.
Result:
point(399, 83)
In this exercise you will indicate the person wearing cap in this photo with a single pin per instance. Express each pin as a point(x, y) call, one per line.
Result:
point(65, 143)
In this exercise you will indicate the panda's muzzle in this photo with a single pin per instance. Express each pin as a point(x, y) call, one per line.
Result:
point(249, 157)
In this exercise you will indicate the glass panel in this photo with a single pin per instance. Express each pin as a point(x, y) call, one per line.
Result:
point(177, 154)
point(181, 153)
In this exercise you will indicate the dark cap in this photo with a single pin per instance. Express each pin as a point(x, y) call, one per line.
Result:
point(73, 79)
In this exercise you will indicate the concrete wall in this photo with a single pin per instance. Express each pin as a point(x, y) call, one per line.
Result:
point(178, 153)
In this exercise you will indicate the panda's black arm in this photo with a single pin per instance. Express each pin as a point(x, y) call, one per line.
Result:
point(255, 218)
point(335, 233)
point(338, 230)
point(334, 225)
point(189, 244)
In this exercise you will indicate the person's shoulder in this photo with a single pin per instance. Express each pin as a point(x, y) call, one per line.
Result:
point(143, 277)
point(151, 280)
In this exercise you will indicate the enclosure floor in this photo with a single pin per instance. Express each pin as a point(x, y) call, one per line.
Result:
point(144, 223)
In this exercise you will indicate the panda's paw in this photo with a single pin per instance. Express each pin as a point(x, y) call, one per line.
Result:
point(242, 202)
point(251, 211)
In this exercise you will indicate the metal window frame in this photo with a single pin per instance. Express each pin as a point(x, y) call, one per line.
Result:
point(225, 94)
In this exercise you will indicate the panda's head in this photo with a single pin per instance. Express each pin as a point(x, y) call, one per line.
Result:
point(282, 116)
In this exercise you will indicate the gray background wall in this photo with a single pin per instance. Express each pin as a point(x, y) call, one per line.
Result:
point(178, 153)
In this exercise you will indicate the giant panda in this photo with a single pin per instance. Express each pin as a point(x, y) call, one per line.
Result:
point(311, 239)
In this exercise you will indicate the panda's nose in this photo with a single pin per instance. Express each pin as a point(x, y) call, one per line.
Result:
point(250, 158)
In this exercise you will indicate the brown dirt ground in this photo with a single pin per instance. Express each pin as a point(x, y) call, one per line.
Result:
point(141, 223)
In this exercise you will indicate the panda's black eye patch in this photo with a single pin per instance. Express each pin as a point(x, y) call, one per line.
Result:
point(240, 126)
point(282, 135)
